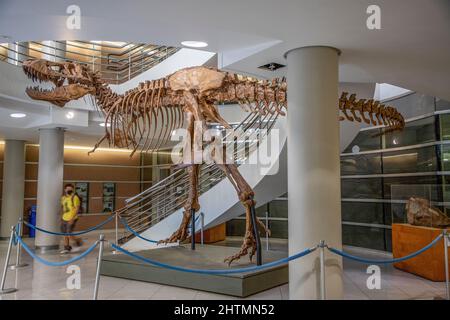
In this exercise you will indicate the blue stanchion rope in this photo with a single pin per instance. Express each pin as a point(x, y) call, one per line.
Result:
point(370, 261)
point(53, 263)
point(124, 222)
point(214, 271)
point(72, 233)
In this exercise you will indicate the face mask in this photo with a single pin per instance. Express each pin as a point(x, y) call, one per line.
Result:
point(69, 191)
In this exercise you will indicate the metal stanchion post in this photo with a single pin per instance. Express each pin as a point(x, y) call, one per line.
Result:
point(116, 242)
point(447, 286)
point(19, 265)
point(99, 265)
point(5, 268)
point(267, 233)
point(322, 270)
point(193, 229)
point(202, 226)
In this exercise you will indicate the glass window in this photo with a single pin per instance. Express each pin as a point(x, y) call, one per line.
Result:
point(388, 239)
point(442, 104)
point(395, 213)
point(278, 229)
point(435, 192)
point(261, 211)
point(361, 164)
point(235, 227)
point(413, 104)
point(365, 141)
point(446, 189)
point(409, 161)
point(366, 237)
point(444, 121)
point(364, 212)
point(278, 209)
point(415, 132)
point(445, 157)
point(365, 188)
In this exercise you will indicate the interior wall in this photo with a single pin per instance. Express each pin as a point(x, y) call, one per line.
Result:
point(96, 169)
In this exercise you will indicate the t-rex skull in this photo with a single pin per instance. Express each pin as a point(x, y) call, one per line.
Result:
point(72, 81)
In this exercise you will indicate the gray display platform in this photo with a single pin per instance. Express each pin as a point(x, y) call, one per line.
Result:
point(204, 257)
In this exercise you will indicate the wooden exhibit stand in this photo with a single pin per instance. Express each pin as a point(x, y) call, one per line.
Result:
point(213, 234)
point(407, 239)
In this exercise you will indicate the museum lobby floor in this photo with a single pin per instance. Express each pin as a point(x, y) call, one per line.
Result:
point(38, 281)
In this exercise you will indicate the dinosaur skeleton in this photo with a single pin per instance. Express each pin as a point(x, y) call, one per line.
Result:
point(178, 100)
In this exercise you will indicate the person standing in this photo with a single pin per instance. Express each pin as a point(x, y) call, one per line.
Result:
point(70, 203)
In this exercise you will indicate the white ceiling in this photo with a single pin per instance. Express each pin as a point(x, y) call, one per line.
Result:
point(411, 50)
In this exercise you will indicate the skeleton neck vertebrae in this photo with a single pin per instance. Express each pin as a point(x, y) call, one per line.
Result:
point(145, 117)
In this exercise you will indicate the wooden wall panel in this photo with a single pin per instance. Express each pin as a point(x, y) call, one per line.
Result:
point(100, 157)
point(32, 153)
point(113, 174)
point(108, 167)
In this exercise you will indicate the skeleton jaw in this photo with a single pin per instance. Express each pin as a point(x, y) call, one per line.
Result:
point(71, 81)
point(60, 95)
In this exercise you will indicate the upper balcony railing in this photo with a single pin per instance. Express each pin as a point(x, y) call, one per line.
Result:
point(117, 62)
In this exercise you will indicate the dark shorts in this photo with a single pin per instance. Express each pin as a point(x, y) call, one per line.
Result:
point(67, 227)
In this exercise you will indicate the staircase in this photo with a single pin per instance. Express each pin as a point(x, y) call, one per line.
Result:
point(161, 205)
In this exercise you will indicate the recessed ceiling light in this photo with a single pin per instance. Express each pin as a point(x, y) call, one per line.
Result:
point(70, 115)
point(194, 44)
point(103, 124)
point(17, 115)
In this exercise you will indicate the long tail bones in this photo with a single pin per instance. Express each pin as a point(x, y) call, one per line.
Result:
point(371, 112)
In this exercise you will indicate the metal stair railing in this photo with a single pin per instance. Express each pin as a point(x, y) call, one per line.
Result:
point(116, 64)
point(168, 195)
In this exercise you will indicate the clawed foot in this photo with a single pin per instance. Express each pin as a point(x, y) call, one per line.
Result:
point(248, 245)
point(175, 237)
point(180, 235)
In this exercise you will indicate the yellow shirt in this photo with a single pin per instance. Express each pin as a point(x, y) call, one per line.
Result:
point(70, 205)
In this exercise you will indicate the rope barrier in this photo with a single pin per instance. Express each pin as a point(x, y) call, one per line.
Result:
point(370, 261)
point(52, 263)
point(214, 271)
point(124, 222)
point(72, 233)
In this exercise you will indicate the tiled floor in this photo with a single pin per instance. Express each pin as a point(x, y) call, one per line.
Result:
point(38, 281)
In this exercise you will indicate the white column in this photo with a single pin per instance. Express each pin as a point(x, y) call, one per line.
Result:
point(13, 185)
point(314, 170)
point(54, 51)
point(50, 185)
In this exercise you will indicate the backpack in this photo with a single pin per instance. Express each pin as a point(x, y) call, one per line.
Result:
point(80, 210)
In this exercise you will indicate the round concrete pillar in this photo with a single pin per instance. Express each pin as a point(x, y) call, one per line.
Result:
point(314, 170)
point(50, 185)
point(13, 185)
